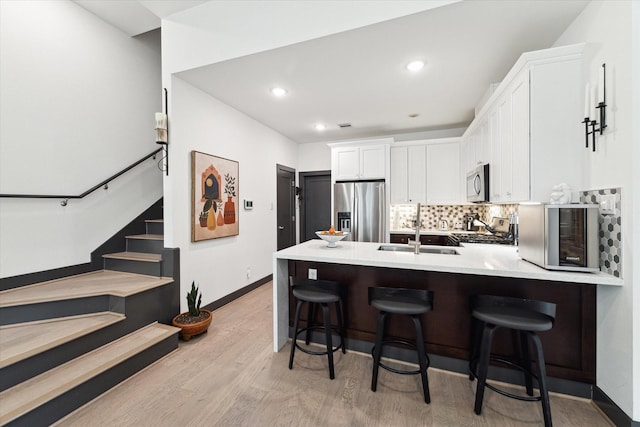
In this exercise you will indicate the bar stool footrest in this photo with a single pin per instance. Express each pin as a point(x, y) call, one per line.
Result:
point(315, 353)
point(408, 344)
point(516, 365)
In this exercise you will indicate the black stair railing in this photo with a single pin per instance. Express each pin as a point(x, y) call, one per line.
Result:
point(104, 184)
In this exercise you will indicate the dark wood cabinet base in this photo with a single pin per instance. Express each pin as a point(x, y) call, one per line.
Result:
point(569, 347)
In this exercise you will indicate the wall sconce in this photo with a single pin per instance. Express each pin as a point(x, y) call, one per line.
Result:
point(593, 102)
point(162, 134)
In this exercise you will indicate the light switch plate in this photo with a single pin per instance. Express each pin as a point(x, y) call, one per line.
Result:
point(313, 274)
point(608, 204)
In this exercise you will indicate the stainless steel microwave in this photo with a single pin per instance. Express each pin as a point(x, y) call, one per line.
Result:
point(560, 237)
point(478, 185)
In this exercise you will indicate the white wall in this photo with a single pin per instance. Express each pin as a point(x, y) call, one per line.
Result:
point(78, 98)
point(314, 156)
point(202, 123)
point(607, 28)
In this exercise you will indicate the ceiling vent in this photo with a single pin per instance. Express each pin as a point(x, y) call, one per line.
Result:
point(344, 125)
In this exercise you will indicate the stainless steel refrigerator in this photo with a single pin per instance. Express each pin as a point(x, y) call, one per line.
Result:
point(360, 207)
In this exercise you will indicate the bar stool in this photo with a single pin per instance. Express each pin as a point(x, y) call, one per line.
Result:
point(408, 302)
point(314, 292)
point(524, 317)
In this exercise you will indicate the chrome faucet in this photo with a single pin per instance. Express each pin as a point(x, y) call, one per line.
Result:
point(416, 243)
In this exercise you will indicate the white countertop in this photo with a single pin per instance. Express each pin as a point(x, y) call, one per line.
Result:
point(474, 258)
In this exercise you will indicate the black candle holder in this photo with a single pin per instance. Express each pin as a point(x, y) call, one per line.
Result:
point(602, 112)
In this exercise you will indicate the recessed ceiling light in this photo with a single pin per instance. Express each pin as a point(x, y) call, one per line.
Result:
point(415, 66)
point(278, 91)
point(320, 127)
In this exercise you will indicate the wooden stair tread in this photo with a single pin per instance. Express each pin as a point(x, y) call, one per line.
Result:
point(95, 283)
point(135, 256)
point(30, 394)
point(146, 236)
point(23, 340)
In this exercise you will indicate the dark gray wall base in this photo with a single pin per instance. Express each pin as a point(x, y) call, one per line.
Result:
point(43, 276)
point(73, 399)
point(237, 294)
point(613, 411)
point(572, 388)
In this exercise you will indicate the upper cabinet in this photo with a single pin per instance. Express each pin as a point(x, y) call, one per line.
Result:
point(444, 183)
point(529, 131)
point(426, 171)
point(353, 163)
point(366, 160)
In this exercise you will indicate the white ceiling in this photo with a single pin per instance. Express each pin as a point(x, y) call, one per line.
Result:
point(358, 76)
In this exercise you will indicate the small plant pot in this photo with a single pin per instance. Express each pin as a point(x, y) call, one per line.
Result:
point(190, 326)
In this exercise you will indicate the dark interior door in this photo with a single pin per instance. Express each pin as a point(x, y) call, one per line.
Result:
point(315, 203)
point(286, 209)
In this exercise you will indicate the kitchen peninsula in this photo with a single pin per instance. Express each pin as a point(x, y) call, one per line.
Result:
point(474, 269)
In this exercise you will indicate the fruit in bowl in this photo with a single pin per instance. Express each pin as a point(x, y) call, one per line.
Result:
point(331, 236)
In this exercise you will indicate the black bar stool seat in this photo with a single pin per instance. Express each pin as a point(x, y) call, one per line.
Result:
point(524, 317)
point(323, 293)
point(409, 302)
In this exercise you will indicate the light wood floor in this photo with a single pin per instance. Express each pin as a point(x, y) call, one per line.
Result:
point(231, 377)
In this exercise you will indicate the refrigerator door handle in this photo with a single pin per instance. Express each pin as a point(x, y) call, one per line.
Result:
point(354, 214)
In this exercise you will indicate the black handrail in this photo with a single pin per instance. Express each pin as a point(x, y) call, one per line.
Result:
point(89, 191)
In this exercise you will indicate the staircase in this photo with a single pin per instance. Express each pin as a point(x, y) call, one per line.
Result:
point(64, 342)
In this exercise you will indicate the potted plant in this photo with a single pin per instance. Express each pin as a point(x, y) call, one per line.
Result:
point(196, 320)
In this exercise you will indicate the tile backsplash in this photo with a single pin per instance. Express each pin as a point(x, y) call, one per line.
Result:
point(610, 231)
point(403, 216)
point(610, 226)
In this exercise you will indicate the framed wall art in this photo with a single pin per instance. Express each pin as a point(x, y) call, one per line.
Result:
point(214, 197)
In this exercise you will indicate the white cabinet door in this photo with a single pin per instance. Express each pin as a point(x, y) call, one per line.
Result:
point(495, 165)
point(372, 162)
point(443, 174)
point(482, 142)
point(520, 138)
point(398, 175)
point(365, 162)
point(506, 149)
point(346, 163)
point(417, 174)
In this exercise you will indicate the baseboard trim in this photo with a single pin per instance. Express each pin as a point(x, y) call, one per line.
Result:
point(237, 294)
point(611, 410)
point(43, 276)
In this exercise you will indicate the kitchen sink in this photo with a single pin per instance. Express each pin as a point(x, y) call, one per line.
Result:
point(423, 249)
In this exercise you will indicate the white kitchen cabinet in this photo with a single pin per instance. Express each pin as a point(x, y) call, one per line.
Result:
point(408, 180)
point(359, 162)
point(426, 171)
point(520, 141)
point(444, 184)
point(417, 173)
point(534, 133)
point(398, 175)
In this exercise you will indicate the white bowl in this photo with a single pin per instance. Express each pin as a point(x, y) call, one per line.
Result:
point(331, 238)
